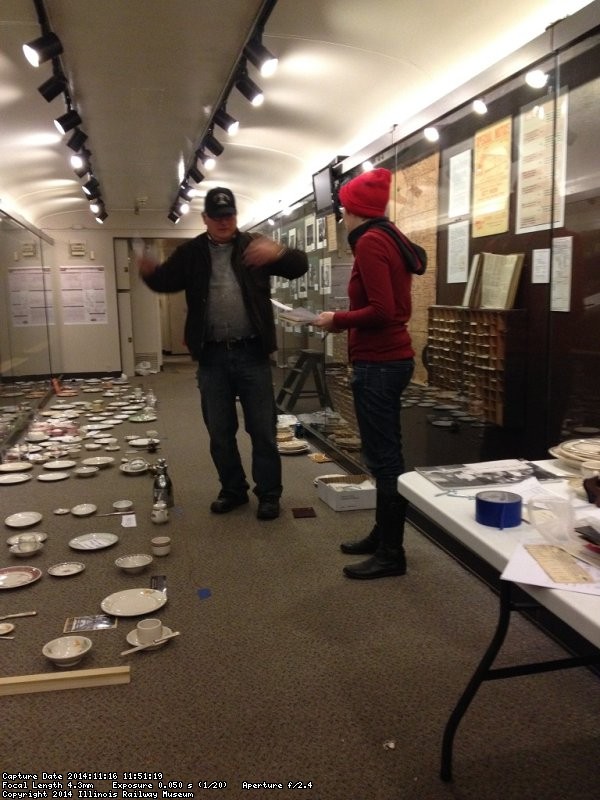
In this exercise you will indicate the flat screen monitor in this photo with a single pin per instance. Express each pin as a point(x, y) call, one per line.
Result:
point(323, 188)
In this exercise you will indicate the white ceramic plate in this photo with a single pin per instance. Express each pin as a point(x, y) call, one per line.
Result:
point(61, 511)
point(14, 477)
point(129, 471)
point(16, 466)
point(85, 472)
point(133, 602)
point(139, 442)
point(23, 519)
point(98, 461)
point(93, 541)
point(66, 568)
point(83, 509)
point(60, 464)
point(11, 577)
point(132, 638)
point(48, 477)
point(14, 539)
point(142, 418)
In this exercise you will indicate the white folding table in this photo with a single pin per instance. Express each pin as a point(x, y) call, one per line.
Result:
point(454, 513)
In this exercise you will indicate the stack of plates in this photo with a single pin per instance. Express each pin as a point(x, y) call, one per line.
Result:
point(293, 447)
point(576, 451)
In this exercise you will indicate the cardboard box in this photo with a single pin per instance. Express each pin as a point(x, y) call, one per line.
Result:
point(338, 495)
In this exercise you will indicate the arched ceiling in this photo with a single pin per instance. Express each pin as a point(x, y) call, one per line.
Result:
point(144, 74)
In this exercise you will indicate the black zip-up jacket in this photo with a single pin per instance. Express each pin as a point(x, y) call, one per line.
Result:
point(188, 269)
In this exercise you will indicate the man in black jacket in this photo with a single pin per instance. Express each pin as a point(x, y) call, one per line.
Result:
point(230, 332)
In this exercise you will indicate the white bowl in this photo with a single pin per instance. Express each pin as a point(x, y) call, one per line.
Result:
point(123, 505)
point(67, 650)
point(85, 472)
point(134, 563)
point(30, 550)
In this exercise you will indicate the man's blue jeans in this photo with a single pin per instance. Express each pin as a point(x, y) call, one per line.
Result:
point(377, 388)
point(241, 372)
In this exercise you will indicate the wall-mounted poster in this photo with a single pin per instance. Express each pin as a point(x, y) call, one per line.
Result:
point(83, 295)
point(562, 268)
point(458, 252)
point(309, 234)
point(459, 192)
point(491, 178)
point(538, 125)
point(30, 296)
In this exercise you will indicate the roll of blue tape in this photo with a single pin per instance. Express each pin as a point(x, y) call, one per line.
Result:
point(498, 509)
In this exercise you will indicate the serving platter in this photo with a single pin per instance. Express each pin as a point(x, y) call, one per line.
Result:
point(13, 577)
point(16, 466)
point(93, 541)
point(133, 602)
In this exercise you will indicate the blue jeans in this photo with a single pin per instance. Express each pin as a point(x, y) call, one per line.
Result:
point(245, 373)
point(377, 388)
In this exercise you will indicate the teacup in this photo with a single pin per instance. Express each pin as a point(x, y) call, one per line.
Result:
point(590, 469)
point(161, 545)
point(28, 542)
point(148, 630)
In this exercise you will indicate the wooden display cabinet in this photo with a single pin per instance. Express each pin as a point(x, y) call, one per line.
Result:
point(480, 355)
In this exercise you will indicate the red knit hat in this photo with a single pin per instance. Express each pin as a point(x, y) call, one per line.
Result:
point(368, 194)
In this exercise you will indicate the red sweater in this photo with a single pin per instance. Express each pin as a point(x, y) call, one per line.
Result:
point(380, 301)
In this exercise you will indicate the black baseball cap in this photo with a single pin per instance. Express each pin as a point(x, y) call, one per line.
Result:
point(219, 202)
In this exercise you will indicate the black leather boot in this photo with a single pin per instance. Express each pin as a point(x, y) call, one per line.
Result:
point(389, 558)
point(362, 547)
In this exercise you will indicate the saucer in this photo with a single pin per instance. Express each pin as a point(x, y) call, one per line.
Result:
point(132, 638)
point(83, 509)
point(23, 519)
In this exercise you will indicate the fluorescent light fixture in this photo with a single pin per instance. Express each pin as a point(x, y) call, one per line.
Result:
point(479, 106)
point(431, 134)
point(264, 61)
point(226, 121)
point(42, 49)
point(250, 90)
point(536, 78)
point(55, 85)
point(67, 121)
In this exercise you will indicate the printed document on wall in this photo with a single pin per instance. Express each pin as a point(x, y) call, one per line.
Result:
point(562, 266)
point(83, 295)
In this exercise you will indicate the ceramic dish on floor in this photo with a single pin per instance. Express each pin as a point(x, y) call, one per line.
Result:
point(128, 469)
point(84, 509)
point(132, 638)
point(39, 535)
point(16, 466)
point(65, 569)
point(19, 552)
point(98, 461)
point(23, 519)
point(93, 541)
point(86, 471)
point(133, 602)
point(7, 627)
point(14, 477)
point(66, 651)
point(13, 577)
point(60, 464)
point(49, 477)
point(134, 563)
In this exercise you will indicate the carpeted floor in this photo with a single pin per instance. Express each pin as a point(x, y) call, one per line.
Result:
point(284, 671)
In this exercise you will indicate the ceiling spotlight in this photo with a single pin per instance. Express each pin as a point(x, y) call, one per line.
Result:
point(431, 134)
point(479, 106)
point(263, 60)
point(173, 216)
point(226, 121)
point(208, 162)
point(55, 85)
point(184, 208)
point(101, 217)
point(81, 159)
point(68, 121)
point(536, 78)
point(96, 206)
point(42, 49)
point(213, 144)
point(186, 191)
point(77, 140)
point(92, 189)
point(195, 175)
point(250, 90)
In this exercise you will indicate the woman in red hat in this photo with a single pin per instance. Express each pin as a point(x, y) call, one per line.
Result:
point(381, 354)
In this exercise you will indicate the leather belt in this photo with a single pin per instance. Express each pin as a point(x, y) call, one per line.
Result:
point(232, 344)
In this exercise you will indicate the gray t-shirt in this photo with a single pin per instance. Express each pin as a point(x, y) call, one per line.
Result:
point(227, 317)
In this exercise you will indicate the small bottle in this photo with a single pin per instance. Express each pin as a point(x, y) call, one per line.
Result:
point(163, 485)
